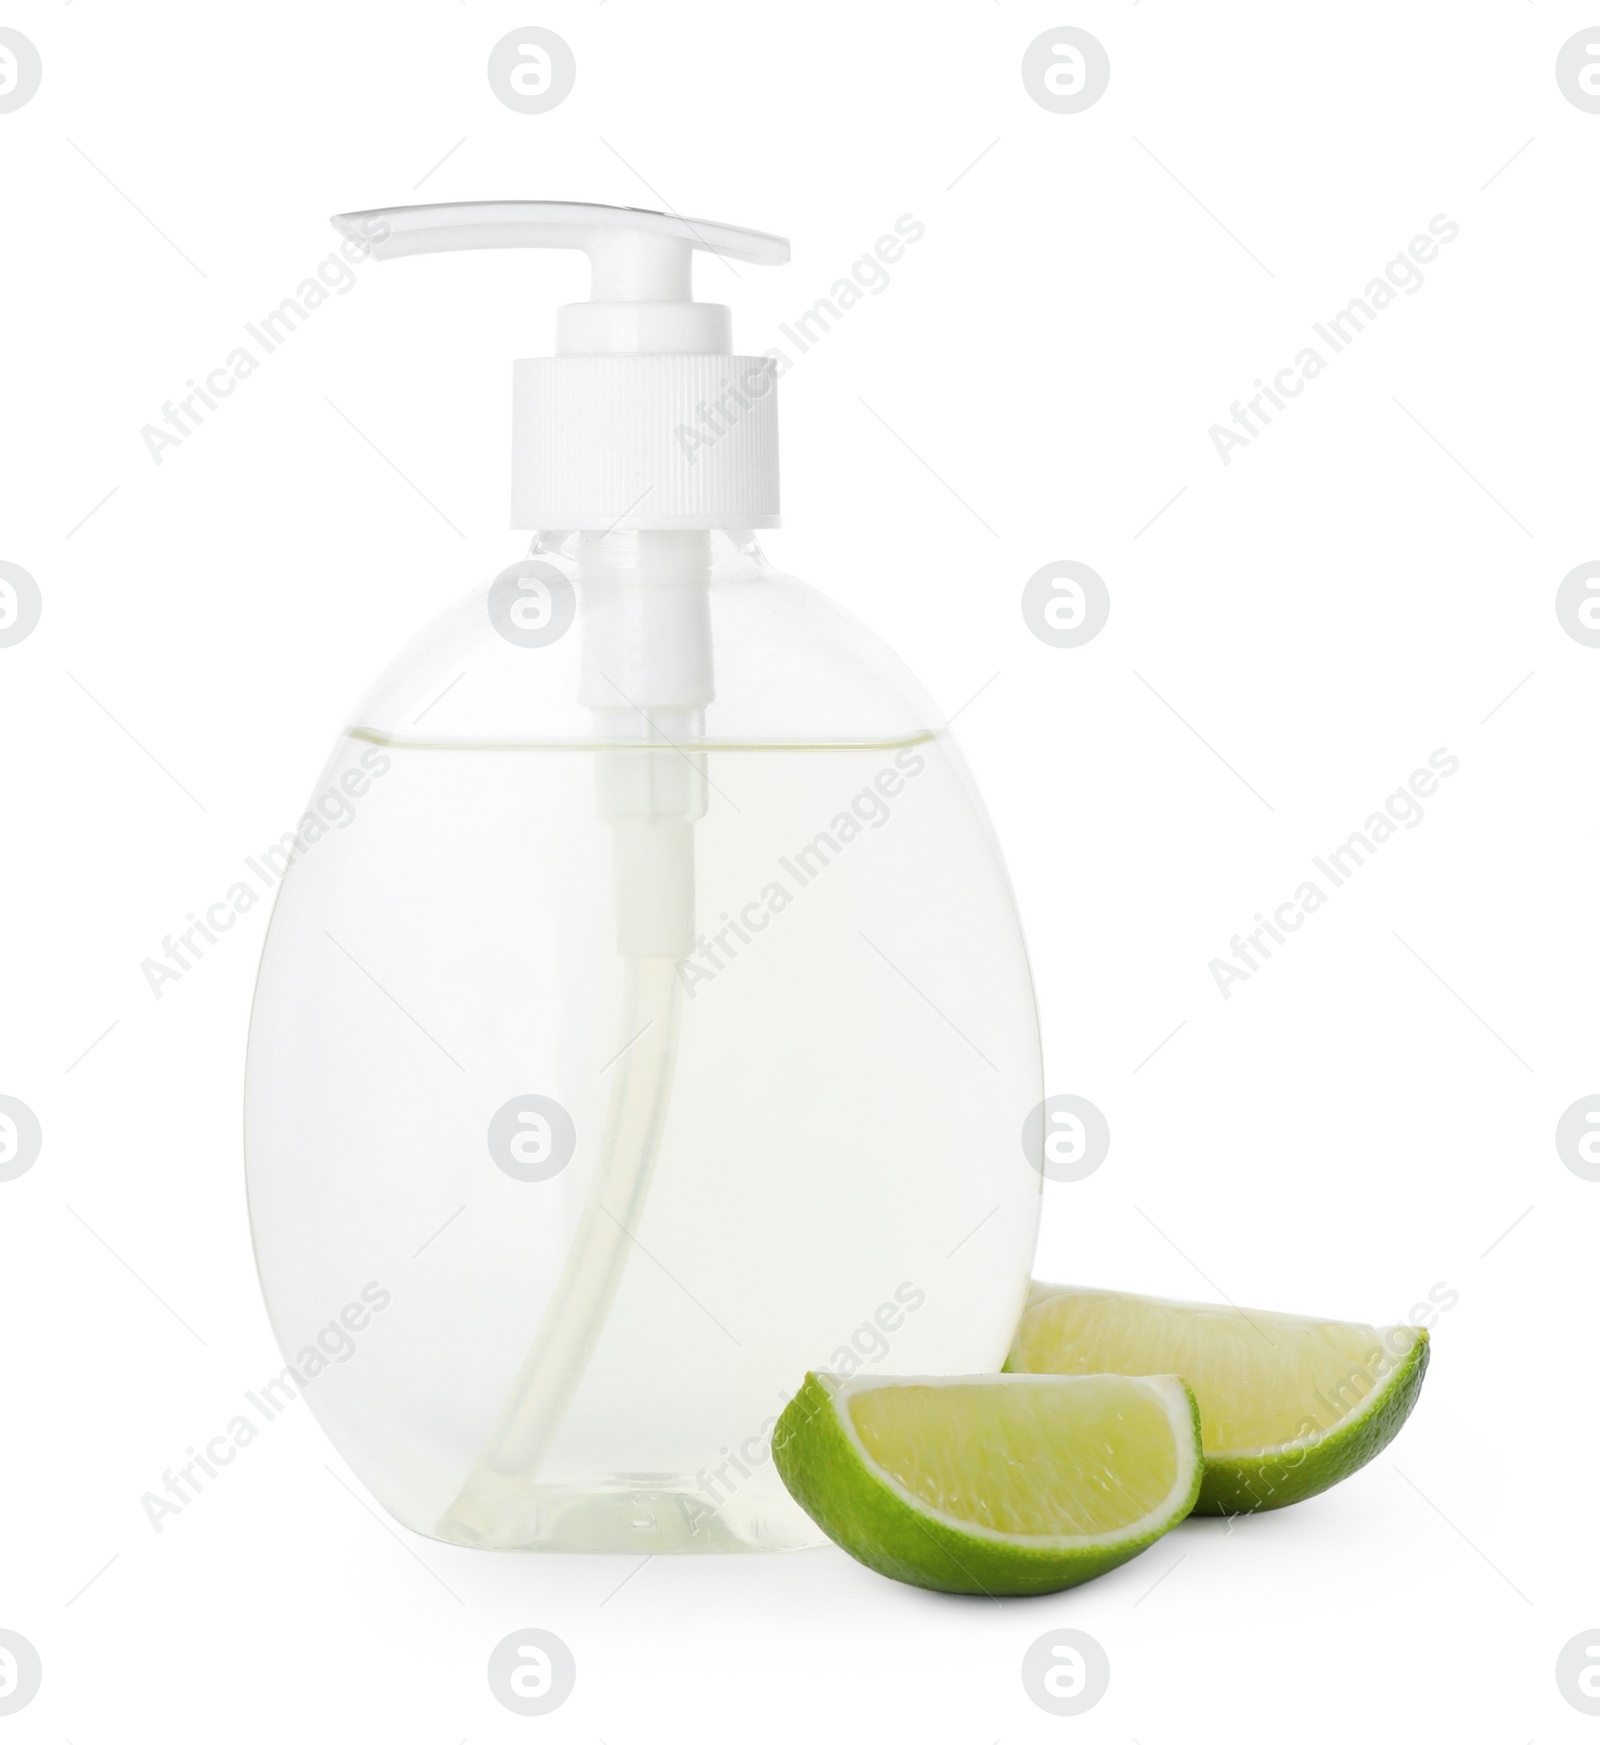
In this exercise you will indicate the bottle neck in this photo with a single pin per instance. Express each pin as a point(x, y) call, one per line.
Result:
point(644, 614)
point(643, 559)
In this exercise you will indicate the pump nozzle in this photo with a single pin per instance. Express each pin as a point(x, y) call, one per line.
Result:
point(635, 257)
point(643, 419)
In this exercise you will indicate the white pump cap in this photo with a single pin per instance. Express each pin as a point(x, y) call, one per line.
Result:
point(644, 419)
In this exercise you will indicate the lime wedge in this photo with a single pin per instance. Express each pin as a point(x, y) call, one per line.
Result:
point(992, 1484)
point(1288, 1405)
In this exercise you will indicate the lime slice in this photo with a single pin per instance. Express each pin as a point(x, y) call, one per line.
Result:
point(992, 1484)
point(1288, 1405)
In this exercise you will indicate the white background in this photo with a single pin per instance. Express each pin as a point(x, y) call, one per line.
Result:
point(1363, 1119)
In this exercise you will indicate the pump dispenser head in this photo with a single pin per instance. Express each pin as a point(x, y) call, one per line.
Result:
point(644, 419)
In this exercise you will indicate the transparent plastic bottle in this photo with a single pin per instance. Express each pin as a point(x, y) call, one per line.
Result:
point(646, 1022)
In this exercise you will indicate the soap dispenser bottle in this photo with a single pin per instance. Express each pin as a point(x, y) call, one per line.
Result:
point(653, 1022)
